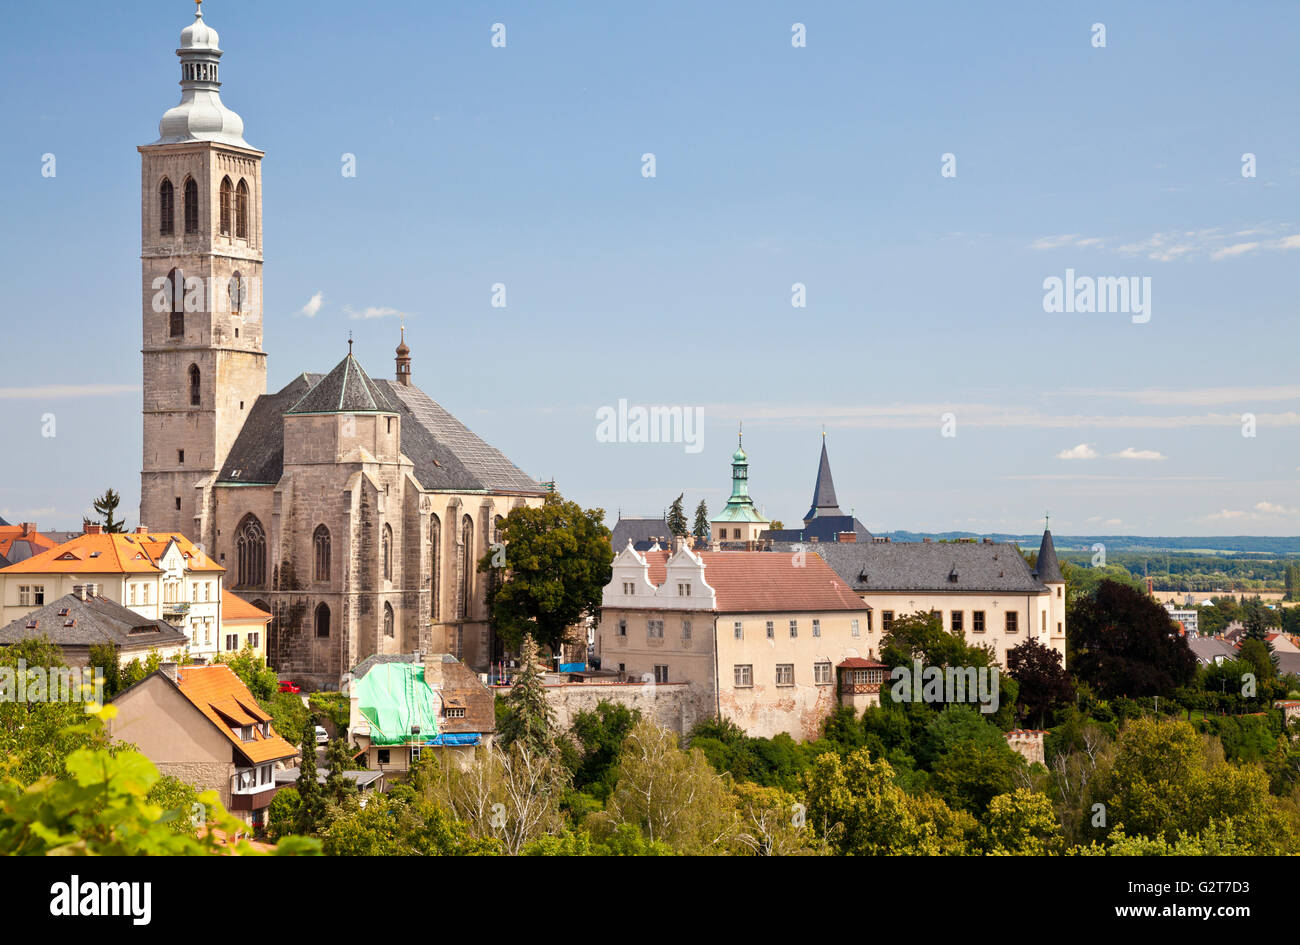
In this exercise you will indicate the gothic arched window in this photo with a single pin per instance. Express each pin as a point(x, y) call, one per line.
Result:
point(321, 545)
point(435, 555)
point(466, 566)
point(322, 620)
point(226, 194)
point(250, 552)
point(196, 398)
point(237, 290)
point(389, 629)
point(387, 552)
point(191, 206)
point(241, 211)
point(166, 208)
point(176, 297)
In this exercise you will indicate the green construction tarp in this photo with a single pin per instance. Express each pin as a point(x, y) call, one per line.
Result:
point(394, 697)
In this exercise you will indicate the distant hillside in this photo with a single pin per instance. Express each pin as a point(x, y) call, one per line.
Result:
point(1207, 544)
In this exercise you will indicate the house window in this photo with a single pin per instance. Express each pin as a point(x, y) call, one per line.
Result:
point(958, 621)
point(255, 640)
point(250, 551)
point(1044, 628)
point(232, 641)
point(870, 628)
point(785, 674)
point(388, 552)
point(178, 503)
point(744, 676)
point(629, 588)
point(822, 673)
point(38, 595)
point(166, 208)
point(435, 565)
point(817, 628)
point(1058, 592)
point(24, 595)
point(686, 629)
point(180, 457)
point(735, 533)
point(886, 620)
point(241, 211)
point(977, 621)
point(1059, 631)
point(794, 629)
point(322, 619)
point(654, 629)
point(1012, 621)
point(133, 590)
point(382, 756)
point(683, 590)
point(622, 628)
point(771, 629)
point(738, 630)
point(661, 673)
point(191, 206)
point(321, 547)
point(853, 628)
point(454, 712)
point(227, 192)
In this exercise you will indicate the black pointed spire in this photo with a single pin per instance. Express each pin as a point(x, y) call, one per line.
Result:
point(823, 501)
point(1048, 569)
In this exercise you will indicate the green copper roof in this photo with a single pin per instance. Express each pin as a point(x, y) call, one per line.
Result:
point(740, 507)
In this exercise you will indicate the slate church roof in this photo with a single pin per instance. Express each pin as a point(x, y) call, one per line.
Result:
point(963, 567)
point(447, 455)
point(643, 533)
point(824, 521)
point(823, 500)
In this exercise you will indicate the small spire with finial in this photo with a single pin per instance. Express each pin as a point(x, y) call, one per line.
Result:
point(1047, 521)
point(349, 344)
point(740, 432)
point(198, 8)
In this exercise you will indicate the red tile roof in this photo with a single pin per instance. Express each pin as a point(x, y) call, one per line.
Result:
point(113, 554)
point(234, 607)
point(767, 581)
point(857, 662)
point(11, 533)
point(222, 696)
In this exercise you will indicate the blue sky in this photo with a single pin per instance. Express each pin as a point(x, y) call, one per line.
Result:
point(775, 165)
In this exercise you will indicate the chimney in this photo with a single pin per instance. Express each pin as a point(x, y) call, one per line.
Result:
point(94, 529)
point(28, 528)
point(432, 668)
point(141, 530)
point(169, 670)
point(846, 537)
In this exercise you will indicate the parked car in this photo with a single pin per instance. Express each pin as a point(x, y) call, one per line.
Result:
point(322, 737)
point(288, 685)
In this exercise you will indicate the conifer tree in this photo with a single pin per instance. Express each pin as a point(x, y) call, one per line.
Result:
point(701, 530)
point(677, 518)
point(311, 809)
point(530, 719)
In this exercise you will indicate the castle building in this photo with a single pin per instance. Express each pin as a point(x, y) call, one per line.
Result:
point(353, 510)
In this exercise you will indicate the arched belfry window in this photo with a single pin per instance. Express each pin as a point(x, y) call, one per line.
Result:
point(387, 552)
point(226, 196)
point(466, 566)
point(191, 206)
point(196, 390)
point(390, 628)
point(176, 298)
point(435, 564)
point(321, 544)
point(250, 552)
point(237, 290)
point(241, 211)
point(322, 620)
point(166, 208)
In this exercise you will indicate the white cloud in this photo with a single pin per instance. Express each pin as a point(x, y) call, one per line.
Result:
point(1193, 397)
point(1082, 451)
point(1269, 508)
point(313, 305)
point(1236, 249)
point(1207, 242)
point(1130, 453)
point(374, 311)
point(53, 391)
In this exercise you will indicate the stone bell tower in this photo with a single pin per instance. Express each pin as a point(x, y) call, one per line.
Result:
point(201, 285)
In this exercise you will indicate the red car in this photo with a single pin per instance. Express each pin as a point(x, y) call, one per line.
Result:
point(289, 686)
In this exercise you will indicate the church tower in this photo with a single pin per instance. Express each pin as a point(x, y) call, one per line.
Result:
point(201, 269)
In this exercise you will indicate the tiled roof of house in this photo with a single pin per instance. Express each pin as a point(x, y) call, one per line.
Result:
point(71, 621)
point(221, 696)
point(19, 542)
point(858, 662)
point(135, 553)
point(930, 566)
point(766, 582)
point(234, 607)
point(1208, 648)
point(642, 532)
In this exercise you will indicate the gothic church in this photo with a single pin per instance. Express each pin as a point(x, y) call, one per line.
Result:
point(355, 510)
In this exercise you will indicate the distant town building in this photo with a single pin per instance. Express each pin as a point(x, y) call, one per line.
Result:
point(76, 622)
point(1190, 619)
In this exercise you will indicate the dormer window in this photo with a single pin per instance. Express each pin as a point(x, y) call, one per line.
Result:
point(684, 589)
point(629, 588)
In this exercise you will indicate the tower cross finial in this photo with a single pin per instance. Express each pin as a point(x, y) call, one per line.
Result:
point(349, 344)
point(1047, 521)
point(740, 431)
